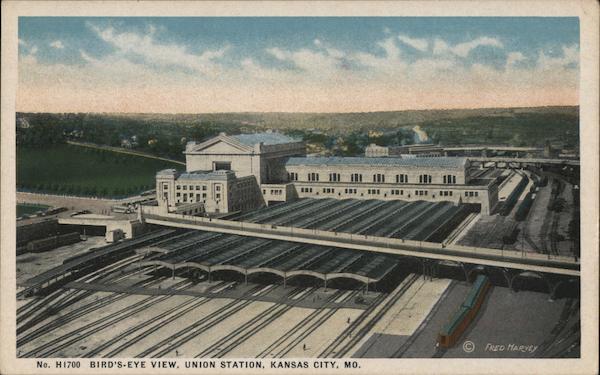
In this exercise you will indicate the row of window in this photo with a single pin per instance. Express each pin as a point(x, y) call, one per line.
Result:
point(442, 193)
point(185, 187)
point(449, 179)
point(425, 179)
point(190, 198)
point(273, 192)
point(377, 177)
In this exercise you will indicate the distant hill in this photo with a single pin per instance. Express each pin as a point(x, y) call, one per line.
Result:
point(165, 134)
point(373, 120)
point(337, 121)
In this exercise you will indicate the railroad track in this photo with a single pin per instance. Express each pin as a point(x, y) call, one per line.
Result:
point(79, 312)
point(161, 320)
point(188, 333)
point(51, 347)
point(459, 229)
point(570, 308)
point(60, 298)
point(554, 233)
point(413, 337)
point(358, 329)
point(248, 329)
point(70, 298)
point(304, 328)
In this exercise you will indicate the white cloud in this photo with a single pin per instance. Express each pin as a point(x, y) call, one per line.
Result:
point(325, 79)
point(318, 63)
point(57, 44)
point(440, 47)
point(513, 58)
point(570, 56)
point(279, 54)
point(419, 44)
point(463, 49)
point(160, 54)
point(27, 47)
point(392, 51)
point(87, 57)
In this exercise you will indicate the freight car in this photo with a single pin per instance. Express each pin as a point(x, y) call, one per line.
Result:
point(52, 242)
point(513, 197)
point(467, 312)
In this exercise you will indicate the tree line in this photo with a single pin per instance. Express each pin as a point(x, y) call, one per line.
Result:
point(160, 135)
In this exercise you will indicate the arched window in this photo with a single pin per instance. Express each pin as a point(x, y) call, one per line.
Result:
point(378, 177)
point(449, 179)
point(401, 178)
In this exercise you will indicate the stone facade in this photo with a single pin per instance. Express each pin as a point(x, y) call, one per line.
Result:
point(243, 172)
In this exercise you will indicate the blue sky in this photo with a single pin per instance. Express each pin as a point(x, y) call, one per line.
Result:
point(295, 64)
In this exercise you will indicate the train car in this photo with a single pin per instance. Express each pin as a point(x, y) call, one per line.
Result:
point(50, 243)
point(467, 312)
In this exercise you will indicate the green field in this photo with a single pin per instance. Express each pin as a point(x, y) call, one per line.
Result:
point(29, 208)
point(74, 170)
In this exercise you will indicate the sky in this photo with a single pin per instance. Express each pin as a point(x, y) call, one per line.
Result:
point(294, 64)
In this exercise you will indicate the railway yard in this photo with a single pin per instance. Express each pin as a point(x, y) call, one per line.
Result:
point(189, 293)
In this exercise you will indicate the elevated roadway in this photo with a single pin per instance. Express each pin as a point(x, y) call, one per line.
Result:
point(494, 148)
point(454, 253)
point(519, 162)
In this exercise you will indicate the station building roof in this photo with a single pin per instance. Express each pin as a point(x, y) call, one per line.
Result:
point(433, 162)
point(264, 138)
point(197, 175)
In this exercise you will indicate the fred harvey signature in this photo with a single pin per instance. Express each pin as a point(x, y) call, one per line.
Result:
point(510, 348)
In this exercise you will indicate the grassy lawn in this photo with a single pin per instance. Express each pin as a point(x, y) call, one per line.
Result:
point(74, 170)
point(29, 208)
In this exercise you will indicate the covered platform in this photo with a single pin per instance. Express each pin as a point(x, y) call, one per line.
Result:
point(248, 256)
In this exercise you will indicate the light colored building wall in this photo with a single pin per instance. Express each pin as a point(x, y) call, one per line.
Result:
point(367, 172)
point(406, 192)
point(278, 192)
point(261, 173)
point(212, 195)
point(265, 162)
point(242, 165)
point(375, 151)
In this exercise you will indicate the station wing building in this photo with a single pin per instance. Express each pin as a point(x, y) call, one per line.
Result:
point(247, 171)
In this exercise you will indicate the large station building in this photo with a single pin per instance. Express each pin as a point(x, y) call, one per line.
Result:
point(247, 171)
